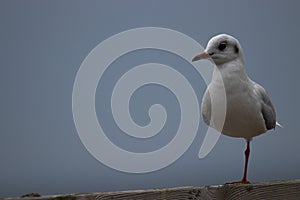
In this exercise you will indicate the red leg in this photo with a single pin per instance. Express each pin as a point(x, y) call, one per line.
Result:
point(247, 153)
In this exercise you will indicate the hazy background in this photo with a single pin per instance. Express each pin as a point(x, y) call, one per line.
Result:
point(42, 44)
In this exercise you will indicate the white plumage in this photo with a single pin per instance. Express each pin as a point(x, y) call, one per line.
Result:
point(249, 111)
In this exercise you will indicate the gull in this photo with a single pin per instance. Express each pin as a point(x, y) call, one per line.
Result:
point(249, 110)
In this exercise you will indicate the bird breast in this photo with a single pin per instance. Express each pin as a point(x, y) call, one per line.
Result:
point(243, 116)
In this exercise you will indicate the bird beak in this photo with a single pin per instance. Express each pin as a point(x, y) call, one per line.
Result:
point(200, 56)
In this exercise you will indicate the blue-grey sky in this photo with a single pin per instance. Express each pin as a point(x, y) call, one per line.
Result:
point(42, 45)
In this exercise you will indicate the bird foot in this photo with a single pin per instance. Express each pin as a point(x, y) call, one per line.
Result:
point(239, 182)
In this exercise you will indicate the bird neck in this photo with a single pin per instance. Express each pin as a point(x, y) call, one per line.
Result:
point(230, 70)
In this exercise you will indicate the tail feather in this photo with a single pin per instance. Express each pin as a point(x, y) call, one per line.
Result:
point(277, 124)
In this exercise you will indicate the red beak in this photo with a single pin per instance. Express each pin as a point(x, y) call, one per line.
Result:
point(200, 56)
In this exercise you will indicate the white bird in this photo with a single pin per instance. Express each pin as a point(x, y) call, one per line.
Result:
point(249, 111)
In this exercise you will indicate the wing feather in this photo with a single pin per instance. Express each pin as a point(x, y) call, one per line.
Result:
point(267, 108)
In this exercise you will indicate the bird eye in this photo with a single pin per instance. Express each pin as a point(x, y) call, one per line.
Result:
point(222, 46)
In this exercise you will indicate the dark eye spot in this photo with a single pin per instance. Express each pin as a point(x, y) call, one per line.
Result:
point(222, 46)
point(236, 49)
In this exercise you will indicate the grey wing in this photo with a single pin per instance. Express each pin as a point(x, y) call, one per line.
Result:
point(206, 107)
point(267, 108)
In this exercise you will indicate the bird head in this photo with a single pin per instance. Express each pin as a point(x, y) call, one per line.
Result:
point(221, 49)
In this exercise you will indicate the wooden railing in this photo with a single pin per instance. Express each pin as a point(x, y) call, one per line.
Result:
point(264, 190)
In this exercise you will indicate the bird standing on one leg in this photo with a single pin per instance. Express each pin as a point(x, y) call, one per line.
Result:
point(249, 111)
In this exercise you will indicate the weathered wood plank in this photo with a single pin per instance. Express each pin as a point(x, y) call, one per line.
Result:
point(182, 193)
point(265, 190)
point(268, 190)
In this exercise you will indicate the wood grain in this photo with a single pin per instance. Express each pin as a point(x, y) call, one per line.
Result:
point(267, 190)
point(274, 190)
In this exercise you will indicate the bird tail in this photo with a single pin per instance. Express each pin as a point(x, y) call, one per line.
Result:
point(277, 124)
